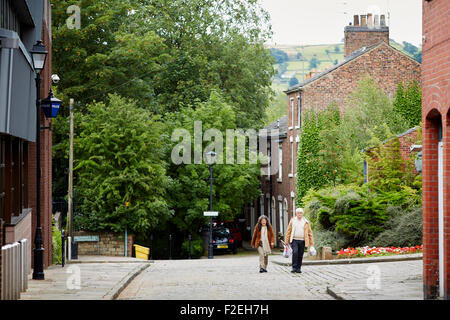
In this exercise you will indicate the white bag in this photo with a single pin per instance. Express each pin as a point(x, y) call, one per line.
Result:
point(312, 251)
point(287, 250)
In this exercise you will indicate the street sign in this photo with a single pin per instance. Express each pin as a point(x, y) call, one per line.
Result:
point(211, 213)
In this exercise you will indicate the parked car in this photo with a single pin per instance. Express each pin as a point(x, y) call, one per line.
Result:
point(223, 239)
point(234, 229)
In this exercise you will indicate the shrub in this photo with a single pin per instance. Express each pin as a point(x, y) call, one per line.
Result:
point(357, 214)
point(196, 247)
point(404, 228)
point(56, 246)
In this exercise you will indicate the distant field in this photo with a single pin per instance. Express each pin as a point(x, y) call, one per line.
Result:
point(299, 66)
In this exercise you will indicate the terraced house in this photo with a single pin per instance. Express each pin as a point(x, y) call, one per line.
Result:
point(22, 24)
point(367, 53)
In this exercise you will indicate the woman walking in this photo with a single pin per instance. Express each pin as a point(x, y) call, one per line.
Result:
point(263, 239)
point(298, 235)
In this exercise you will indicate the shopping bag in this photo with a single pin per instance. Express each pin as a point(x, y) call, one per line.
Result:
point(287, 250)
point(312, 251)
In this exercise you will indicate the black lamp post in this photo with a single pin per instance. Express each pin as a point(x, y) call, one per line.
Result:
point(211, 160)
point(51, 106)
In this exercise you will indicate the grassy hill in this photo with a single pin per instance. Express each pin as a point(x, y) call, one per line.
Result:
point(297, 61)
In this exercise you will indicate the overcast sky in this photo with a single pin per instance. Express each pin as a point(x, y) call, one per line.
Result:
point(323, 21)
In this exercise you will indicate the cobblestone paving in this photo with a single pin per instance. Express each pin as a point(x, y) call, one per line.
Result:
point(239, 278)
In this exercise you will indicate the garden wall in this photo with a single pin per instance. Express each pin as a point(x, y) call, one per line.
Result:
point(110, 244)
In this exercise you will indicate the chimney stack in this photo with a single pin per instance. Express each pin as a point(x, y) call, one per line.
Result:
point(367, 30)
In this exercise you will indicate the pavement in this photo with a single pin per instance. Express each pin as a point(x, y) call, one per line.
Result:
point(229, 276)
point(87, 278)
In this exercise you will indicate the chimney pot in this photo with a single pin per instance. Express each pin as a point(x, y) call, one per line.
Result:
point(382, 21)
point(363, 20)
point(376, 21)
point(356, 20)
point(369, 20)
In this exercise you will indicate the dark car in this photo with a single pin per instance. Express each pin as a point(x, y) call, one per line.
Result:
point(222, 239)
point(234, 229)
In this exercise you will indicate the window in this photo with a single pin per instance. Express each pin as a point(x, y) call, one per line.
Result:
point(261, 203)
point(280, 163)
point(8, 17)
point(291, 165)
point(299, 111)
point(13, 177)
point(292, 114)
point(2, 177)
point(280, 212)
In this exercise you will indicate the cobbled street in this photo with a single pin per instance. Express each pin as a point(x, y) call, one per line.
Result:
point(238, 277)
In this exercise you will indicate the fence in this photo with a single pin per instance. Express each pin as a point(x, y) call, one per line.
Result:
point(15, 265)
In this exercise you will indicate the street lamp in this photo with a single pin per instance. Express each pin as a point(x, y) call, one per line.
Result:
point(210, 159)
point(39, 56)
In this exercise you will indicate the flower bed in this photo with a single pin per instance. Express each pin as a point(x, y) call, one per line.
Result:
point(377, 251)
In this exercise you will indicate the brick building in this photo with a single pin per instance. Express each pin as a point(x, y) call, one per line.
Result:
point(436, 148)
point(367, 53)
point(22, 24)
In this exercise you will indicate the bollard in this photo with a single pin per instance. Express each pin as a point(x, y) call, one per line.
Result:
point(151, 246)
point(190, 238)
point(170, 247)
point(63, 249)
point(69, 248)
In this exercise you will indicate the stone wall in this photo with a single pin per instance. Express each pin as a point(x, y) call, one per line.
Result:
point(110, 244)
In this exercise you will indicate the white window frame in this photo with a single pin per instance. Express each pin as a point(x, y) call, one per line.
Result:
point(280, 163)
point(292, 114)
point(291, 171)
point(299, 111)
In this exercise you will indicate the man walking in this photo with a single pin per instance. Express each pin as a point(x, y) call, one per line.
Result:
point(298, 235)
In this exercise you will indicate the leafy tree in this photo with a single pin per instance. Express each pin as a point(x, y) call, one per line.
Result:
point(313, 63)
point(410, 48)
point(310, 173)
point(120, 159)
point(279, 55)
point(233, 185)
point(369, 108)
point(293, 81)
point(408, 103)
point(164, 54)
point(277, 108)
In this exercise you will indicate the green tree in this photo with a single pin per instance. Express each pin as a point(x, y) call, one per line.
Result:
point(310, 173)
point(408, 103)
point(120, 159)
point(164, 54)
point(234, 184)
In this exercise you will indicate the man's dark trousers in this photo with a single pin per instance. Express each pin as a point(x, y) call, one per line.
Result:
point(298, 249)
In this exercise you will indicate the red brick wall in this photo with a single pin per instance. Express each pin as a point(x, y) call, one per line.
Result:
point(278, 188)
point(384, 64)
point(435, 113)
point(354, 40)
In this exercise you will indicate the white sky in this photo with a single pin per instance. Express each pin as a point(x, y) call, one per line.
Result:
point(323, 21)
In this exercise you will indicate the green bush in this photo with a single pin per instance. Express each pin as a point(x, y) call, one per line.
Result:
point(56, 246)
point(351, 215)
point(196, 247)
point(404, 228)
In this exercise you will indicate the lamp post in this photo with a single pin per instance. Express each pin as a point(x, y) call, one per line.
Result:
point(51, 106)
point(39, 55)
point(211, 160)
